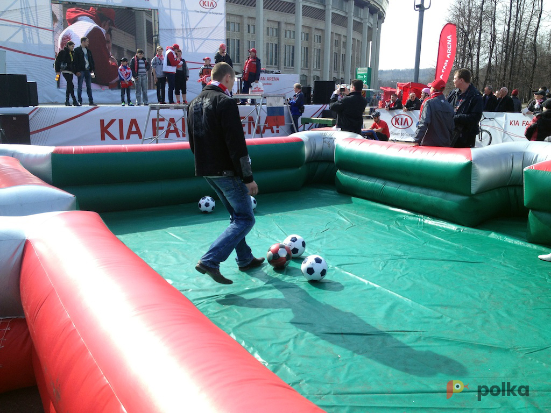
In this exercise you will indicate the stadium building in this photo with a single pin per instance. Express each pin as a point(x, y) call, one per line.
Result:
point(335, 36)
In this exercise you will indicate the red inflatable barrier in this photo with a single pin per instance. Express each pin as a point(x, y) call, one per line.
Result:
point(16, 370)
point(112, 335)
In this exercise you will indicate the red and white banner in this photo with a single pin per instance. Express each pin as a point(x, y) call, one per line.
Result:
point(446, 51)
point(112, 125)
point(504, 127)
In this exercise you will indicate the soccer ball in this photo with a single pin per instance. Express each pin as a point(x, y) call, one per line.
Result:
point(296, 244)
point(314, 268)
point(206, 204)
point(253, 202)
point(279, 255)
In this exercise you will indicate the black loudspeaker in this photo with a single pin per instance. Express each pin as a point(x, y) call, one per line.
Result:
point(14, 91)
point(307, 90)
point(323, 89)
point(33, 93)
point(14, 128)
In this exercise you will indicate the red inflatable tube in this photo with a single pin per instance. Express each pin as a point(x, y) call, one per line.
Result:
point(16, 369)
point(112, 335)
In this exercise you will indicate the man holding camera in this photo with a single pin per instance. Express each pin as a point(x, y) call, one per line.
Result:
point(350, 107)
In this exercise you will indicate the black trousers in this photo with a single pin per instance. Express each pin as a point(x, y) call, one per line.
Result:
point(161, 84)
point(127, 89)
point(70, 91)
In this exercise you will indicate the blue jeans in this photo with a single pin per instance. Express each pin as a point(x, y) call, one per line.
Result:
point(234, 195)
point(85, 74)
point(141, 89)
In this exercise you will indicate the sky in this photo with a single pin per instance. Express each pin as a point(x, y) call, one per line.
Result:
point(399, 33)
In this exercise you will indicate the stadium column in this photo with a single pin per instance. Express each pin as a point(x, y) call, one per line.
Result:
point(260, 46)
point(364, 59)
point(374, 64)
point(298, 36)
point(327, 42)
point(348, 76)
point(376, 68)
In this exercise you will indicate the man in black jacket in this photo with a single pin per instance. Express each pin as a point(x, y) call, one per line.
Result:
point(84, 69)
point(350, 108)
point(217, 141)
point(504, 102)
point(467, 105)
point(489, 100)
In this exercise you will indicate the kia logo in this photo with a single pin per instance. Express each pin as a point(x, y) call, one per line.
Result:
point(401, 121)
point(208, 4)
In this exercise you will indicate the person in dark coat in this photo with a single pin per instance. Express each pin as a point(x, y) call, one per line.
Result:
point(296, 103)
point(350, 108)
point(435, 127)
point(540, 127)
point(517, 105)
point(64, 64)
point(84, 69)
point(467, 104)
point(489, 100)
point(504, 102)
point(394, 103)
point(413, 103)
point(217, 141)
point(222, 56)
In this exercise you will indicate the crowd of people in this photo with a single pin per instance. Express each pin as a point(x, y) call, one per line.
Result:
point(453, 121)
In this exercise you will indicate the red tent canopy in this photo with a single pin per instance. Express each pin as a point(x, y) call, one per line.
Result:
point(387, 91)
point(407, 88)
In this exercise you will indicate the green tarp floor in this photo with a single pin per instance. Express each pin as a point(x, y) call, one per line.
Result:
point(409, 302)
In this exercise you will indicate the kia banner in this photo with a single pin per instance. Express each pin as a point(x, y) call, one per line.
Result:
point(446, 52)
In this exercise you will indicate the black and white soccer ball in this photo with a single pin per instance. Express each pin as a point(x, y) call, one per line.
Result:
point(314, 268)
point(253, 202)
point(296, 243)
point(206, 204)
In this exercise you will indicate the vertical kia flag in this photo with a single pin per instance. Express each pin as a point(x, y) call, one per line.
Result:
point(446, 51)
point(275, 113)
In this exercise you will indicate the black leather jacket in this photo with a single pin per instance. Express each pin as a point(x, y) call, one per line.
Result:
point(350, 111)
point(468, 110)
point(216, 136)
point(80, 63)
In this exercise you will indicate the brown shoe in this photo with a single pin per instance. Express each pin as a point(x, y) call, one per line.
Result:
point(256, 262)
point(213, 273)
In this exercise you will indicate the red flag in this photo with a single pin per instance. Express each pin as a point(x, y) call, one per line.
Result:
point(446, 51)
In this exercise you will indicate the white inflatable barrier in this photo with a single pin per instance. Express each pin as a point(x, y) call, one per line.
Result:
point(503, 127)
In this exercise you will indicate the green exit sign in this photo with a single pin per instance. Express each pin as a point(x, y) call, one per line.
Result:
point(364, 74)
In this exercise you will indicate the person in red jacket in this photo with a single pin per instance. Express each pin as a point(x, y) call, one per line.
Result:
point(170, 64)
point(251, 72)
point(379, 130)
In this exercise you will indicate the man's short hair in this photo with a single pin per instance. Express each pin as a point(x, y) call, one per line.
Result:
point(83, 39)
point(298, 86)
point(70, 43)
point(357, 84)
point(139, 51)
point(220, 70)
point(464, 74)
point(490, 88)
point(375, 115)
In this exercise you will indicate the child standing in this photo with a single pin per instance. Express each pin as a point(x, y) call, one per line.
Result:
point(205, 71)
point(125, 76)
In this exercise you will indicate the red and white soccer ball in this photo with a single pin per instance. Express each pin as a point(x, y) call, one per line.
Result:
point(279, 255)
